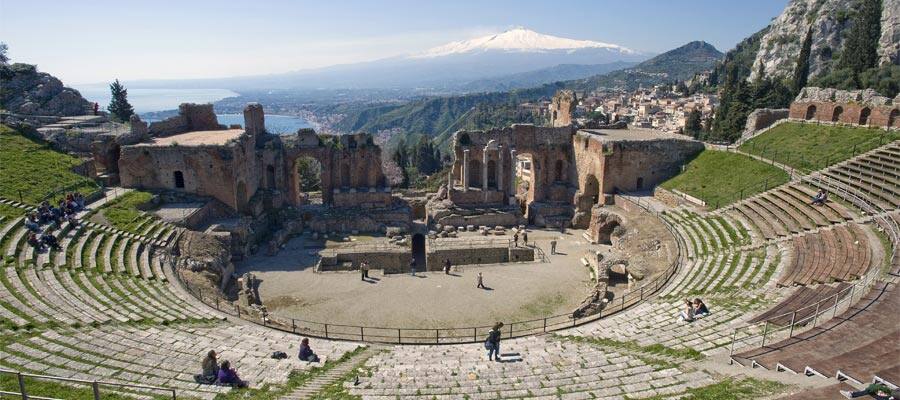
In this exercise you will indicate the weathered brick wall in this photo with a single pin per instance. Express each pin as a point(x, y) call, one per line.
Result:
point(640, 165)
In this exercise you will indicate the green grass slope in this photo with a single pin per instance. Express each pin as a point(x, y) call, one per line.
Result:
point(809, 147)
point(31, 171)
point(718, 177)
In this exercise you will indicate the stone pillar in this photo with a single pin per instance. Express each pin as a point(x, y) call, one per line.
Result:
point(464, 170)
point(512, 176)
point(484, 170)
point(499, 171)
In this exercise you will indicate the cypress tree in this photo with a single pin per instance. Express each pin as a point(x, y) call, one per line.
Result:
point(118, 105)
point(861, 45)
point(801, 72)
point(693, 124)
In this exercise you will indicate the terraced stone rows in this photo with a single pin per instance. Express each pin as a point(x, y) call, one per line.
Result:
point(838, 254)
point(535, 367)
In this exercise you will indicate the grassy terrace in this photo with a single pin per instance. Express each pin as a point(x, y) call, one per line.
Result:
point(809, 147)
point(123, 213)
point(31, 171)
point(718, 177)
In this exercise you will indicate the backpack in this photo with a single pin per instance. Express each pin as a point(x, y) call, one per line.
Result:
point(279, 355)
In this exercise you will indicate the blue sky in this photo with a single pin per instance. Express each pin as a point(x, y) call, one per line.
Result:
point(97, 41)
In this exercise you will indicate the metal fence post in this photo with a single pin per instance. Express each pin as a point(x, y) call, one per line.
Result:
point(733, 339)
point(96, 388)
point(22, 385)
point(545, 324)
point(362, 336)
point(765, 332)
point(326, 331)
point(793, 317)
point(293, 325)
point(475, 334)
point(816, 314)
point(399, 337)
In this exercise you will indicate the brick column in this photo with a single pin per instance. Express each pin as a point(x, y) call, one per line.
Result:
point(499, 171)
point(464, 170)
point(484, 171)
point(512, 176)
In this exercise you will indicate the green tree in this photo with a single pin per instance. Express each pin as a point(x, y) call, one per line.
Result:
point(861, 44)
point(3, 49)
point(801, 71)
point(693, 125)
point(401, 157)
point(118, 105)
point(426, 158)
point(310, 172)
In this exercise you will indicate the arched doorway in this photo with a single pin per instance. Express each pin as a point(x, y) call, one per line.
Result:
point(864, 116)
point(590, 193)
point(270, 176)
point(178, 177)
point(492, 174)
point(474, 173)
point(306, 177)
point(112, 165)
point(810, 112)
point(836, 115)
point(893, 118)
point(418, 251)
point(604, 232)
point(640, 183)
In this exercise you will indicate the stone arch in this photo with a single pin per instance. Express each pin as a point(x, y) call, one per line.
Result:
point(605, 230)
point(306, 177)
point(345, 175)
point(864, 115)
point(464, 139)
point(178, 178)
point(492, 174)
point(418, 251)
point(112, 164)
point(474, 170)
point(270, 176)
point(810, 112)
point(836, 114)
point(590, 193)
point(640, 183)
point(893, 118)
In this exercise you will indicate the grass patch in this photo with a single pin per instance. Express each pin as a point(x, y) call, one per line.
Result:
point(295, 380)
point(122, 213)
point(718, 177)
point(54, 389)
point(809, 147)
point(30, 171)
point(731, 389)
point(653, 349)
point(10, 212)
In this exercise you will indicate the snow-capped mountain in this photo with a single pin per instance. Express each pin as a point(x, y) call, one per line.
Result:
point(518, 39)
point(450, 67)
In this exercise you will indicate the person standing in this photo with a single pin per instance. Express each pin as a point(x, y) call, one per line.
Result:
point(447, 266)
point(525, 238)
point(412, 266)
point(553, 247)
point(480, 280)
point(364, 270)
point(492, 344)
point(516, 239)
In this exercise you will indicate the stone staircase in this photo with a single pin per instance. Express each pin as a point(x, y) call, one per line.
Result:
point(333, 375)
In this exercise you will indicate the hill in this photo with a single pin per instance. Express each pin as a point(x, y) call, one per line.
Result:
point(562, 72)
point(27, 91)
point(440, 116)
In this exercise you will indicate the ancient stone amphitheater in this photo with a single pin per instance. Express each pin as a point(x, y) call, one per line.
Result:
point(797, 291)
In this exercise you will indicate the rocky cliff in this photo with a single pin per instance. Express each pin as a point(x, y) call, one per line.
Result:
point(830, 21)
point(27, 91)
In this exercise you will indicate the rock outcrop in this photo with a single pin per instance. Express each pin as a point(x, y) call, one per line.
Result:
point(830, 21)
point(27, 91)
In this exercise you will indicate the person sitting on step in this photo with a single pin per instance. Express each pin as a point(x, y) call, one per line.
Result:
point(50, 240)
point(228, 376)
point(32, 223)
point(33, 241)
point(820, 198)
point(687, 314)
point(700, 309)
point(877, 390)
point(306, 353)
point(210, 369)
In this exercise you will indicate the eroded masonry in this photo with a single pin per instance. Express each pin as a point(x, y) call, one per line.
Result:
point(253, 187)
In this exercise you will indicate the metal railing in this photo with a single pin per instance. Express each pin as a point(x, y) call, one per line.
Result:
point(809, 317)
point(452, 335)
point(95, 386)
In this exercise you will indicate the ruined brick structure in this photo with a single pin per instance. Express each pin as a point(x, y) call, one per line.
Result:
point(246, 168)
point(852, 107)
point(562, 106)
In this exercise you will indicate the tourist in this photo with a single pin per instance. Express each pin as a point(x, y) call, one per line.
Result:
point(228, 376)
point(412, 266)
point(480, 281)
point(79, 200)
point(525, 238)
point(877, 390)
point(32, 223)
point(210, 369)
point(516, 239)
point(492, 344)
point(687, 315)
point(363, 270)
point(553, 247)
point(306, 353)
point(700, 309)
point(33, 241)
point(820, 198)
point(50, 241)
point(447, 266)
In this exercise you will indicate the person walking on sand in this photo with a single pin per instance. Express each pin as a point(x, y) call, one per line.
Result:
point(447, 266)
point(525, 238)
point(553, 247)
point(364, 270)
point(480, 279)
point(516, 239)
point(412, 267)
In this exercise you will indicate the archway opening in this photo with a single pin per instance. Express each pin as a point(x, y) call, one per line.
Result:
point(492, 174)
point(590, 193)
point(893, 118)
point(640, 183)
point(810, 112)
point(864, 115)
point(836, 115)
point(178, 177)
point(112, 165)
point(418, 251)
point(270, 176)
point(307, 179)
point(560, 171)
point(605, 231)
point(474, 173)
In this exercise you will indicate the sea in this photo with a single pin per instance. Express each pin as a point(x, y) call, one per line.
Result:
point(155, 100)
